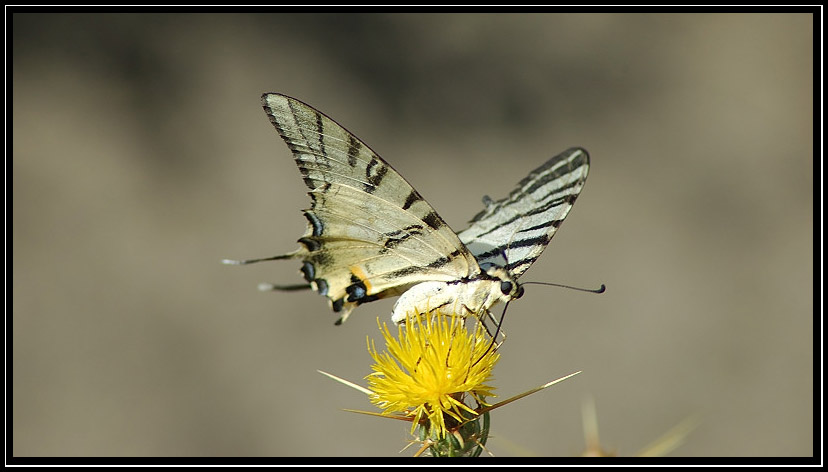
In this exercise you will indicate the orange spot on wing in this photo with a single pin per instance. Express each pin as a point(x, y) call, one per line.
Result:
point(357, 270)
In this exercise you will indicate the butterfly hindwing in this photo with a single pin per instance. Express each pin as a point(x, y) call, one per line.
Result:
point(512, 232)
point(370, 234)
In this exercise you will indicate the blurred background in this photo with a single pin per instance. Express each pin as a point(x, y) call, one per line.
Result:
point(141, 157)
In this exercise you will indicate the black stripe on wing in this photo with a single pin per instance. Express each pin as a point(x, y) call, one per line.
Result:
point(513, 231)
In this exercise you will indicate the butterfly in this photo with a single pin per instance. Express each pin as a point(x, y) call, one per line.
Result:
point(371, 235)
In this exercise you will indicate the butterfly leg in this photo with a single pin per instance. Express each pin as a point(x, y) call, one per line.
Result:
point(489, 317)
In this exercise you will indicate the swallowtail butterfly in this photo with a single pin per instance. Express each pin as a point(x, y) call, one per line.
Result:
point(371, 235)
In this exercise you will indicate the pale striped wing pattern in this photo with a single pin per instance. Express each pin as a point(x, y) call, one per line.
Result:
point(512, 232)
point(370, 234)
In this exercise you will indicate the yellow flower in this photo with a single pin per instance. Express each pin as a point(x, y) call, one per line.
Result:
point(434, 375)
point(430, 369)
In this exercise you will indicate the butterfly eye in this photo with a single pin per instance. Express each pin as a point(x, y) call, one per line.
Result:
point(519, 292)
point(506, 287)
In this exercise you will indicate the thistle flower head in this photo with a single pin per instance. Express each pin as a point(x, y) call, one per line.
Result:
point(430, 369)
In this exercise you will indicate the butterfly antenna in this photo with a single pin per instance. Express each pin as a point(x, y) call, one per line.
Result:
point(600, 289)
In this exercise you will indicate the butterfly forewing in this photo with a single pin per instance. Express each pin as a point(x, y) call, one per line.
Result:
point(370, 234)
point(512, 232)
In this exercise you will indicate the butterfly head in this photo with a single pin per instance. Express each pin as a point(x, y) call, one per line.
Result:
point(506, 284)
